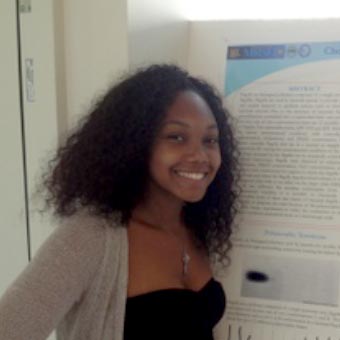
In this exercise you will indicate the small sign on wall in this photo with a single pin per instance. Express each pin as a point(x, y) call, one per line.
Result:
point(25, 6)
point(29, 80)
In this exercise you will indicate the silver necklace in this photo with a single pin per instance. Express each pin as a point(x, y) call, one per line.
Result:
point(185, 260)
point(185, 255)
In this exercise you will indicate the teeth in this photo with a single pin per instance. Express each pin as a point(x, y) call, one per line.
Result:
point(192, 175)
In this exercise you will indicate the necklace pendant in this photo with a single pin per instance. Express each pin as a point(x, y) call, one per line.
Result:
point(185, 260)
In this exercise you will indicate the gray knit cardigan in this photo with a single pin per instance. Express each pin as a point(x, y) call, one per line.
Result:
point(76, 284)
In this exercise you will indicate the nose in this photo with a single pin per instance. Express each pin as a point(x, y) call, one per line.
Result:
point(196, 153)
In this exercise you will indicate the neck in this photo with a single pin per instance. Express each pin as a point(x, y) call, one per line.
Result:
point(159, 213)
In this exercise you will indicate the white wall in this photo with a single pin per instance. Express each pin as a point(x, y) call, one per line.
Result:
point(39, 108)
point(76, 48)
point(80, 50)
point(95, 50)
point(97, 42)
point(196, 10)
point(158, 32)
point(13, 238)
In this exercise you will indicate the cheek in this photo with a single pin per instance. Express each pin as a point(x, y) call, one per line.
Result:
point(166, 158)
point(160, 160)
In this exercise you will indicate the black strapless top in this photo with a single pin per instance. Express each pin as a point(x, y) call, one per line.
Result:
point(175, 313)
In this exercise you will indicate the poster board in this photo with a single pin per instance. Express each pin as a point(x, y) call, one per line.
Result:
point(284, 93)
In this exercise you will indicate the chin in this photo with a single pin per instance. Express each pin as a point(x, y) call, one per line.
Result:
point(193, 199)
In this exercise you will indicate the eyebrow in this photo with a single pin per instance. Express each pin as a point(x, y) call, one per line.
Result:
point(178, 122)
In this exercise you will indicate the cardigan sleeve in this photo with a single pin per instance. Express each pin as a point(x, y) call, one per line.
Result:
point(53, 281)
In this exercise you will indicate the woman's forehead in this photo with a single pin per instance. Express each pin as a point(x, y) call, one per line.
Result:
point(187, 108)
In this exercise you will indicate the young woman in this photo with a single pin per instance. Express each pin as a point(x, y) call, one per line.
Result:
point(145, 190)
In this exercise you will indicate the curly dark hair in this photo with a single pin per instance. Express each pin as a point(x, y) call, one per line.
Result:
point(104, 163)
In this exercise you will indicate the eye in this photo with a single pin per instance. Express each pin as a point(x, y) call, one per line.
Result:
point(211, 141)
point(175, 138)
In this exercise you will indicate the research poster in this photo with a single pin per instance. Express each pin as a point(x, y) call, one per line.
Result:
point(284, 279)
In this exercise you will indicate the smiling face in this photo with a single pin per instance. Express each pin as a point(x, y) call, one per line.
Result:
point(186, 155)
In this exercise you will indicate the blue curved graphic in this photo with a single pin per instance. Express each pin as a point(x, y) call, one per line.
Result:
point(247, 63)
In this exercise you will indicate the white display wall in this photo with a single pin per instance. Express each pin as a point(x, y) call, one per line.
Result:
point(13, 233)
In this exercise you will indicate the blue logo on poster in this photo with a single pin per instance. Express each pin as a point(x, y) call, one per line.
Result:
point(305, 50)
point(257, 52)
